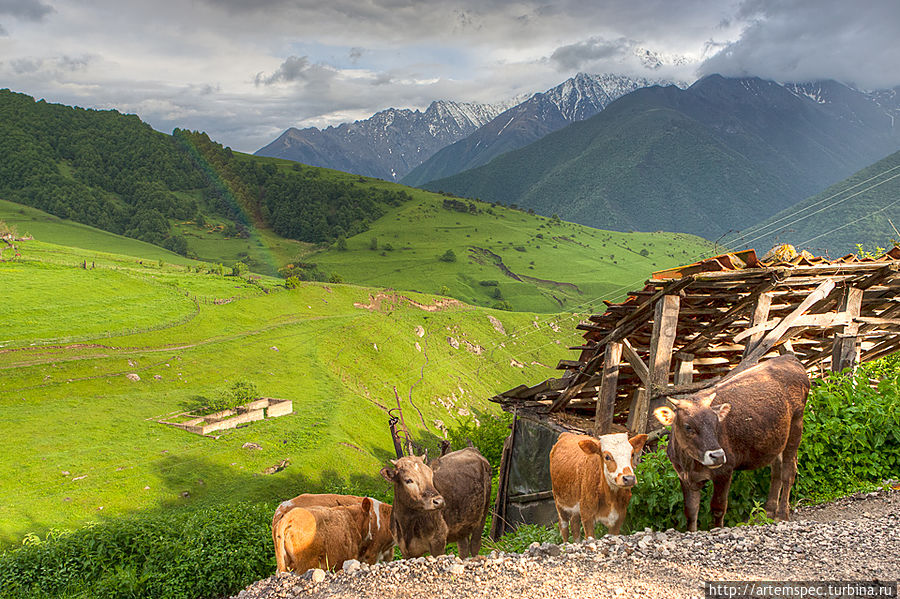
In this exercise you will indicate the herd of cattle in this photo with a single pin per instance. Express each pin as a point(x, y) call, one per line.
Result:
point(748, 421)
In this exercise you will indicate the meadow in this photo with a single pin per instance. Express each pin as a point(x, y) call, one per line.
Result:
point(88, 446)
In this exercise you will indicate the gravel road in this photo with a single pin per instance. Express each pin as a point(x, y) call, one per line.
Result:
point(853, 539)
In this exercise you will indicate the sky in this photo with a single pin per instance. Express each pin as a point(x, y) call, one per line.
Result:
point(246, 70)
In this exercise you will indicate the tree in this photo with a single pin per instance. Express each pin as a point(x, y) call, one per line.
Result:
point(449, 256)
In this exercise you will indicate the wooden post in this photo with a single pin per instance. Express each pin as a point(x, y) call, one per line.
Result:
point(845, 349)
point(760, 315)
point(665, 321)
point(606, 400)
point(684, 371)
point(498, 524)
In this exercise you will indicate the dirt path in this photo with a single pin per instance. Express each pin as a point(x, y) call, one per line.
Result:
point(853, 539)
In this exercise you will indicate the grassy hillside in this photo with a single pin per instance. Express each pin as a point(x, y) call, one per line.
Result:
point(532, 262)
point(716, 157)
point(87, 442)
point(858, 210)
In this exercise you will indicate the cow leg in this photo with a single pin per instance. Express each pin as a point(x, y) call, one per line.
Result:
point(789, 468)
point(462, 546)
point(475, 543)
point(719, 505)
point(588, 524)
point(575, 526)
point(774, 485)
point(691, 493)
point(563, 523)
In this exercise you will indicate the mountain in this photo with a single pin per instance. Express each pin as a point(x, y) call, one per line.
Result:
point(862, 209)
point(575, 99)
point(718, 156)
point(386, 145)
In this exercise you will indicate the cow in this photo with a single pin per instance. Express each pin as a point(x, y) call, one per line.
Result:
point(323, 531)
point(592, 479)
point(444, 502)
point(748, 420)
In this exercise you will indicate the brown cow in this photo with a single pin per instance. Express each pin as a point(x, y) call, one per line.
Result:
point(592, 478)
point(307, 535)
point(751, 420)
point(439, 504)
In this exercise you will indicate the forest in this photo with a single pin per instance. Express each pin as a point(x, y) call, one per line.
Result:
point(115, 172)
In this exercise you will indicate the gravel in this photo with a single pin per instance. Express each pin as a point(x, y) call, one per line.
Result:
point(853, 539)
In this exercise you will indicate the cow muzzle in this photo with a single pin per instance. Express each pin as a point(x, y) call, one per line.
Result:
point(436, 503)
point(713, 458)
point(627, 481)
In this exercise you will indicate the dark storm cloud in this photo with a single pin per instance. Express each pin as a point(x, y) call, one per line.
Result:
point(296, 68)
point(26, 10)
point(801, 40)
point(575, 56)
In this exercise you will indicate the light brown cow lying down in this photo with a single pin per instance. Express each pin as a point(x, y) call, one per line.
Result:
point(325, 537)
point(592, 480)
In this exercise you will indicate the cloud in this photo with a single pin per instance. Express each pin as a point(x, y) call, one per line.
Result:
point(3, 32)
point(575, 56)
point(804, 40)
point(25, 10)
point(297, 68)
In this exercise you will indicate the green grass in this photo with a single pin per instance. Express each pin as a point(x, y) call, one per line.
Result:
point(67, 405)
point(559, 265)
point(43, 226)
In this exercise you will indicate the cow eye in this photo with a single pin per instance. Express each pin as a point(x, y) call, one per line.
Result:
point(607, 457)
point(408, 481)
point(688, 429)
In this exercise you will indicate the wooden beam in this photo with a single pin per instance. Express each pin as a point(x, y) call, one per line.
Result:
point(844, 352)
point(632, 357)
point(828, 320)
point(606, 399)
point(772, 337)
point(665, 325)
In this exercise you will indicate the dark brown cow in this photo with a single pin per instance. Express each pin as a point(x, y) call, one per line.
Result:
point(325, 537)
point(749, 421)
point(592, 480)
point(445, 502)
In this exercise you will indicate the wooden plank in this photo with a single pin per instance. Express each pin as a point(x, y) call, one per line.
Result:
point(632, 357)
point(844, 352)
point(760, 315)
point(833, 319)
point(606, 399)
point(891, 322)
point(772, 337)
point(684, 371)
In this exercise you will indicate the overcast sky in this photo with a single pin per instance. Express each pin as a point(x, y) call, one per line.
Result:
point(245, 70)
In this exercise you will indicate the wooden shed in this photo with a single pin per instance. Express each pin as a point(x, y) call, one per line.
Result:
point(686, 329)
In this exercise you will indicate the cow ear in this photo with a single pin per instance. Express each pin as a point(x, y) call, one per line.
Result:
point(394, 462)
point(722, 411)
point(366, 504)
point(589, 446)
point(637, 443)
point(389, 474)
point(665, 415)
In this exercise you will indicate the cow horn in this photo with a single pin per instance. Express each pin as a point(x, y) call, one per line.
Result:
point(677, 403)
point(707, 401)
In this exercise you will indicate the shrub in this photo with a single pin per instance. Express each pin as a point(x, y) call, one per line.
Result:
point(489, 283)
point(503, 305)
point(448, 256)
point(239, 269)
point(292, 282)
point(209, 552)
point(486, 431)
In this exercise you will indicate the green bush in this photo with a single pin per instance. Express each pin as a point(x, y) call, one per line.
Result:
point(486, 431)
point(209, 552)
point(448, 256)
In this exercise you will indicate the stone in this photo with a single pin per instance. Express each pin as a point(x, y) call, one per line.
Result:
point(351, 565)
point(251, 446)
point(318, 575)
point(132, 377)
point(457, 569)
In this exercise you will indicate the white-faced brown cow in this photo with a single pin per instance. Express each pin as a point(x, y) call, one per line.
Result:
point(592, 480)
point(323, 531)
point(445, 502)
point(749, 421)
